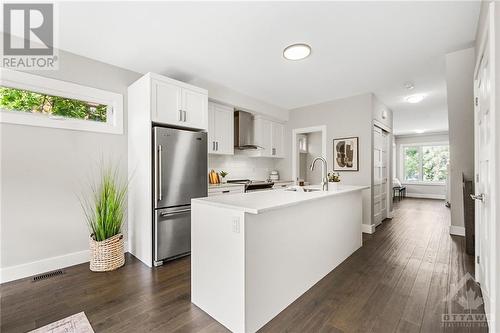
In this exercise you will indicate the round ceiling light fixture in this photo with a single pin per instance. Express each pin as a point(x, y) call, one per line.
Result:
point(415, 98)
point(409, 85)
point(297, 51)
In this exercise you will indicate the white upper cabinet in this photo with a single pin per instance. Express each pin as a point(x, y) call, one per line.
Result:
point(277, 139)
point(262, 135)
point(167, 104)
point(220, 129)
point(269, 135)
point(177, 103)
point(194, 108)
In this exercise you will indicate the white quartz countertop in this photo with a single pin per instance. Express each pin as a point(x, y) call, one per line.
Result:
point(260, 202)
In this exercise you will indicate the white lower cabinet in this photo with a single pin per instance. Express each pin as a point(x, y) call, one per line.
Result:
point(269, 135)
point(282, 185)
point(220, 129)
point(222, 190)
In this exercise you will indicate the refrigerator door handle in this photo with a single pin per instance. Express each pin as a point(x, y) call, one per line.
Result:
point(159, 179)
point(175, 213)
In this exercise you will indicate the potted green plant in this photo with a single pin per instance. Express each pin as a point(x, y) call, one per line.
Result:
point(223, 175)
point(333, 180)
point(104, 210)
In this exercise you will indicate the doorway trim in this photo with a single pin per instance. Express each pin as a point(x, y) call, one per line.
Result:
point(295, 131)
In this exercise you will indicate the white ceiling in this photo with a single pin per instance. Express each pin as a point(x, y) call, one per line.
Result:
point(357, 47)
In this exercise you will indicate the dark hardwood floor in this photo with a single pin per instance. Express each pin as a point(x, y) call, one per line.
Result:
point(397, 281)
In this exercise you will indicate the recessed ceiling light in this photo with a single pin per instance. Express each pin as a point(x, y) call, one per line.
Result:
point(297, 51)
point(415, 98)
point(419, 131)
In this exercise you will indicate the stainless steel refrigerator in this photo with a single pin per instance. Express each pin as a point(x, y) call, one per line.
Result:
point(180, 174)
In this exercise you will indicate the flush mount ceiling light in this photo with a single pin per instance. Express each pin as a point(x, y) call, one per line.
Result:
point(409, 85)
point(415, 98)
point(297, 51)
point(419, 131)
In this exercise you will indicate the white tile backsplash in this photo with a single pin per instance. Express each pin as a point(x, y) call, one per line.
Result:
point(242, 166)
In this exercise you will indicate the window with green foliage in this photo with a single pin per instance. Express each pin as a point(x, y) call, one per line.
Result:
point(425, 163)
point(19, 100)
point(412, 163)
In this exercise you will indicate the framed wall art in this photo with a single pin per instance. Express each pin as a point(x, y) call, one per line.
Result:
point(346, 154)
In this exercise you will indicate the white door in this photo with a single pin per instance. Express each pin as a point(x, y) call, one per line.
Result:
point(378, 191)
point(485, 169)
point(166, 100)
point(194, 106)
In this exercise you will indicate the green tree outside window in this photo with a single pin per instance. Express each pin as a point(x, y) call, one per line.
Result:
point(12, 99)
point(426, 163)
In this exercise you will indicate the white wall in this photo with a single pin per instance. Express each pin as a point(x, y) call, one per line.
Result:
point(426, 190)
point(231, 97)
point(242, 167)
point(344, 118)
point(460, 94)
point(43, 170)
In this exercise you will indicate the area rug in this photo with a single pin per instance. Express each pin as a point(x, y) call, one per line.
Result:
point(77, 323)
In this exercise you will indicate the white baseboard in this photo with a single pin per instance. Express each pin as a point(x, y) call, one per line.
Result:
point(41, 266)
point(426, 196)
point(12, 273)
point(367, 228)
point(457, 231)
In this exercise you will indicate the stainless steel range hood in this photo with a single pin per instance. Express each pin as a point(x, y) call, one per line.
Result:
point(244, 131)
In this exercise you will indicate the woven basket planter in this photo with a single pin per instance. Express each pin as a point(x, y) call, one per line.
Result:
point(106, 255)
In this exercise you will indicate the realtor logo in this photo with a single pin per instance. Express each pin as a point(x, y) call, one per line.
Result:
point(28, 41)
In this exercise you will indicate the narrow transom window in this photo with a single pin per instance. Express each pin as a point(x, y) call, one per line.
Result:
point(12, 99)
point(27, 99)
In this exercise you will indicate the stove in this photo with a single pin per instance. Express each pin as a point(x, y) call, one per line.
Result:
point(253, 185)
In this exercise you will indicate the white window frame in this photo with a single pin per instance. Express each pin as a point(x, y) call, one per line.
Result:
point(43, 85)
point(402, 162)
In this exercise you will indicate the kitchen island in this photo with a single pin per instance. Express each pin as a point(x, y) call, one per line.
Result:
point(253, 254)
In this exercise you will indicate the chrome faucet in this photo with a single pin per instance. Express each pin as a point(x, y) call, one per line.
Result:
point(324, 179)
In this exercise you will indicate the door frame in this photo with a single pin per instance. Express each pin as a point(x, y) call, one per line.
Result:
point(305, 130)
point(487, 36)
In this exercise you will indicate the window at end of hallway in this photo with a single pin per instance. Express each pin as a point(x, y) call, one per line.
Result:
point(425, 164)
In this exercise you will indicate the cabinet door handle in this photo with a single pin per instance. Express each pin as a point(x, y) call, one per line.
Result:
point(180, 115)
point(226, 191)
point(213, 145)
point(217, 145)
point(184, 115)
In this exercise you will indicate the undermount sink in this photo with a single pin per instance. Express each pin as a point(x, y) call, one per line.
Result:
point(312, 189)
point(303, 189)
